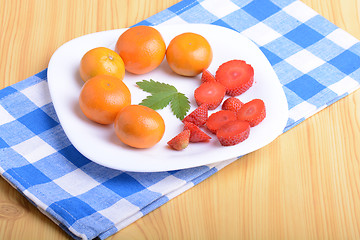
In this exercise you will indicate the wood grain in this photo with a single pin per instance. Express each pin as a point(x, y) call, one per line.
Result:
point(304, 185)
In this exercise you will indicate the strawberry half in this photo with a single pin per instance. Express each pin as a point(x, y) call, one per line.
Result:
point(198, 116)
point(232, 104)
point(196, 134)
point(211, 93)
point(236, 75)
point(233, 132)
point(217, 119)
point(180, 141)
point(253, 112)
point(207, 77)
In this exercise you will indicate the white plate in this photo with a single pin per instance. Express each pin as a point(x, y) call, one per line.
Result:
point(100, 144)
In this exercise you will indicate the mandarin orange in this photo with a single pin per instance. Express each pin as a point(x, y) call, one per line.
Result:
point(139, 126)
point(100, 61)
point(142, 48)
point(188, 54)
point(102, 97)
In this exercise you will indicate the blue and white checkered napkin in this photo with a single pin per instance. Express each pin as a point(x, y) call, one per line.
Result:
point(316, 62)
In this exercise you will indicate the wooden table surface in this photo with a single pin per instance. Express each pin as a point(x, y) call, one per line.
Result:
point(304, 185)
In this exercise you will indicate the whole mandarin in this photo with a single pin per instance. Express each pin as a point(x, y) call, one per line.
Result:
point(102, 97)
point(188, 54)
point(142, 48)
point(139, 126)
point(99, 61)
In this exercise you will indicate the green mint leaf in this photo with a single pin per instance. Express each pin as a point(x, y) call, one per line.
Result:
point(161, 95)
point(155, 87)
point(158, 100)
point(180, 105)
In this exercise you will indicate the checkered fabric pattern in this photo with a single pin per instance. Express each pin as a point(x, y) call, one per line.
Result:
point(317, 64)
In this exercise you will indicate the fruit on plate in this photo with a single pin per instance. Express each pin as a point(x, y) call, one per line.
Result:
point(188, 54)
point(211, 93)
point(232, 104)
point(199, 116)
point(217, 119)
point(180, 141)
point(253, 112)
point(142, 48)
point(236, 75)
point(102, 97)
point(196, 134)
point(233, 132)
point(206, 76)
point(99, 61)
point(139, 126)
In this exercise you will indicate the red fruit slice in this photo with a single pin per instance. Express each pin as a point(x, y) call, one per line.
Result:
point(180, 141)
point(211, 93)
point(232, 104)
point(198, 116)
point(196, 134)
point(236, 75)
point(233, 132)
point(207, 77)
point(253, 112)
point(216, 120)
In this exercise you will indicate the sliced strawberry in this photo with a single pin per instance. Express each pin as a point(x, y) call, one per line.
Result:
point(196, 134)
point(180, 141)
point(211, 93)
point(207, 77)
point(217, 119)
point(198, 116)
point(253, 112)
point(233, 132)
point(232, 104)
point(236, 75)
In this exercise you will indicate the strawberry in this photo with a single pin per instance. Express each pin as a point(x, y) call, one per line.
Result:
point(207, 77)
point(217, 119)
point(196, 134)
point(180, 141)
point(253, 112)
point(233, 132)
point(211, 93)
point(198, 116)
point(232, 104)
point(236, 75)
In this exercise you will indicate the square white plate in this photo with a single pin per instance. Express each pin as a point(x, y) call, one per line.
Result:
point(100, 144)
